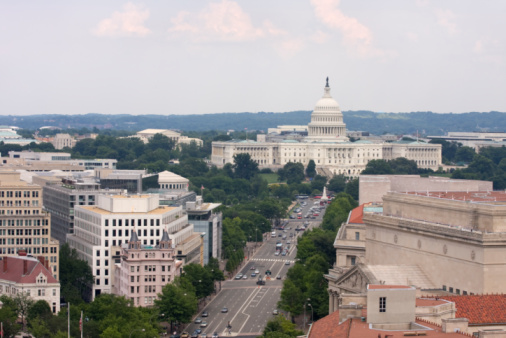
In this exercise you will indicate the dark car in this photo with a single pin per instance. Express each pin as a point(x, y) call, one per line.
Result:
point(215, 335)
point(224, 310)
point(194, 335)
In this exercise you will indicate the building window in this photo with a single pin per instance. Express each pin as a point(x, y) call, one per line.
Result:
point(357, 236)
point(383, 304)
point(444, 287)
point(54, 292)
point(451, 289)
point(353, 260)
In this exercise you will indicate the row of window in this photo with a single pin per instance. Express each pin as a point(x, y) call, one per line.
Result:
point(19, 212)
point(17, 193)
point(24, 222)
point(12, 290)
point(457, 291)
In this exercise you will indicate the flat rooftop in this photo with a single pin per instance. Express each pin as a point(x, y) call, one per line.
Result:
point(383, 287)
point(494, 197)
point(157, 211)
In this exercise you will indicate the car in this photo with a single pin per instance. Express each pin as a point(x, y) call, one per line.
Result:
point(287, 263)
point(253, 274)
point(195, 335)
point(260, 282)
point(288, 242)
point(199, 331)
point(175, 336)
point(203, 324)
point(283, 253)
point(257, 271)
point(203, 335)
point(278, 277)
point(245, 277)
point(292, 216)
point(291, 234)
point(252, 268)
point(204, 314)
point(276, 253)
point(239, 276)
point(215, 335)
point(185, 335)
point(275, 312)
point(224, 310)
point(316, 214)
point(198, 320)
point(279, 235)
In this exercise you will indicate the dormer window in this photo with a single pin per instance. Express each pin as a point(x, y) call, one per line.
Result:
point(41, 279)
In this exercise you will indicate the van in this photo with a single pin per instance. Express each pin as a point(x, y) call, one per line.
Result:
point(273, 234)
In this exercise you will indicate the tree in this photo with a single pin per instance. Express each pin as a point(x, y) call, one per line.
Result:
point(291, 173)
point(280, 327)
point(244, 166)
point(377, 167)
point(292, 299)
point(177, 301)
point(9, 316)
point(200, 278)
point(337, 183)
point(75, 276)
point(311, 169)
point(318, 182)
point(23, 302)
point(40, 309)
point(403, 166)
point(352, 188)
point(464, 154)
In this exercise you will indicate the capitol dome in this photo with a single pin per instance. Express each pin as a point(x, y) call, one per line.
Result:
point(327, 120)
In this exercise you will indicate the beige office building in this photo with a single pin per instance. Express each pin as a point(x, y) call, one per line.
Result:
point(24, 225)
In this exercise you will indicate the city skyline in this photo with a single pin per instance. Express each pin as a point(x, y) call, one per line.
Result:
point(199, 57)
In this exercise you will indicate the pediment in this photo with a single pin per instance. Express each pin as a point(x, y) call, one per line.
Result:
point(353, 281)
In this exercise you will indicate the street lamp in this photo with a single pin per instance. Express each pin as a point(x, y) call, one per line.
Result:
point(142, 330)
point(311, 312)
point(307, 300)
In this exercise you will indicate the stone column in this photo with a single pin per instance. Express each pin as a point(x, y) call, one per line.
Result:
point(331, 302)
point(336, 301)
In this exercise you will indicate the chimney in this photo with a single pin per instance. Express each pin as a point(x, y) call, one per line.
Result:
point(21, 252)
point(25, 266)
point(41, 259)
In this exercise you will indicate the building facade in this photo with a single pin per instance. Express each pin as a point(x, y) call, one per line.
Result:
point(144, 270)
point(326, 144)
point(24, 224)
point(110, 222)
point(29, 276)
point(60, 199)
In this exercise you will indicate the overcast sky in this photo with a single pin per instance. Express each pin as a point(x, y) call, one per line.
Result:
point(199, 56)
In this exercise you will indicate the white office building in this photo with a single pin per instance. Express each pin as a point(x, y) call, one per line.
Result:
point(109, 223)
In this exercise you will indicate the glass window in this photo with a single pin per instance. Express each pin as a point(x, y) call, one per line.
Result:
point(383, 304)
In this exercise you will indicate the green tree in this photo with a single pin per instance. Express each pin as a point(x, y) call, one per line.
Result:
point(244, 166)
point(337, 183)
point(177, 301)
point(40, 309)
point(291, 173)
point(76, 278)
point(352, 188)
point(464, 154)
point(311, 169)
point(9, 316)
point(377, 167)
point(318, 182)
point(200, 278)
point(292, 299)
point(403, 166)
point(280, 327)
point(22, 302)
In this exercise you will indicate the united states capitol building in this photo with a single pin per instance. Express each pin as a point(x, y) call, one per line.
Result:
point(324, 141)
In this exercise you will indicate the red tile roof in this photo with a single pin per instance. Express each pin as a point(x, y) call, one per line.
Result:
point(356, 215)
point(329, 327)
point(430, 302)
point(15, 270)
point(480, 309)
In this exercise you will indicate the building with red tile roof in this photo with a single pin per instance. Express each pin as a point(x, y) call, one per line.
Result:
point(390, 313)
point(30, 276)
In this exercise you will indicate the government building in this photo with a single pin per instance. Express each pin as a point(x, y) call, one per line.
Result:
point(325, 142)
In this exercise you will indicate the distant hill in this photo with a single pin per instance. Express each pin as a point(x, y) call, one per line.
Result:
point(427, 123)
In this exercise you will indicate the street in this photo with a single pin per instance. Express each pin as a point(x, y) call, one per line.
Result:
point(249, 305)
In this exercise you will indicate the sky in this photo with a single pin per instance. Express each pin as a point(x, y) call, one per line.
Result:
point(199, 57)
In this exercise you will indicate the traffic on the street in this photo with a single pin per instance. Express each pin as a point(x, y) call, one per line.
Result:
point(248, 299)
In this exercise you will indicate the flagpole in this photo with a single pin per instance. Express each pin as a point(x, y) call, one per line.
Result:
point(2, 329)
point(81, 324)
point(68, 320)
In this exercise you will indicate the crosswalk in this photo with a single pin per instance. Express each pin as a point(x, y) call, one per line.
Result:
point(273, 260)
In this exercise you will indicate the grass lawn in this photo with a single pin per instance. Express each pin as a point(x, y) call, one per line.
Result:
point(270, 178)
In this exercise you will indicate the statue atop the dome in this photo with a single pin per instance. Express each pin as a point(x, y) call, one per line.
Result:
point(327, 82)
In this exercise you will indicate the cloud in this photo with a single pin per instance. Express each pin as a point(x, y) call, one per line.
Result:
point(356, 36)
point(220, 21)
point(445, 19)
point(489, 50)
point(127, 23)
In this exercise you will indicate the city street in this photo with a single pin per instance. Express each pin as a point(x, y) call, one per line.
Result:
point(249, 305)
